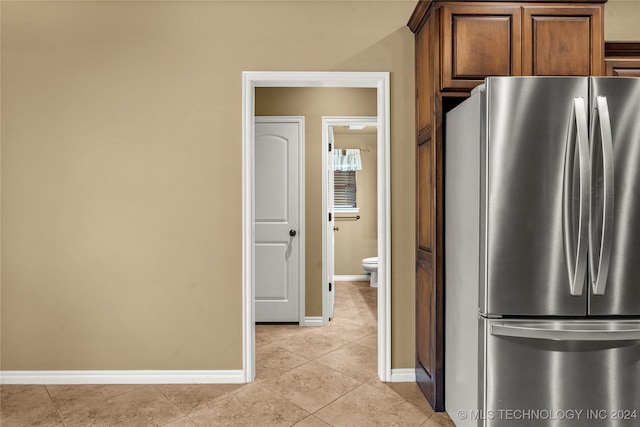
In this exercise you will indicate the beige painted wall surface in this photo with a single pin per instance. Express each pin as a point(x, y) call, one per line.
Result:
point(313, 103)
point(121, 171)
point(622, 20)
point(356, 240)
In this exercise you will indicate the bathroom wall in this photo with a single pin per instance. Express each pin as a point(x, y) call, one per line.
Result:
point(356, 240)
point(313, 103)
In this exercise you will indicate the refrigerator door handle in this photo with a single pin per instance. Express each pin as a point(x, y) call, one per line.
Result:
point(576, 251)
point(566, 334)
point(600, 267)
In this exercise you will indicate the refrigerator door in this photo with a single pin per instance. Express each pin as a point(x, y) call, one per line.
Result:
point(534, 201)
point(615, 214)
point(554, 373)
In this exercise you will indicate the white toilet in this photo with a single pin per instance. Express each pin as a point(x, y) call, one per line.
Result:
point(370, 265)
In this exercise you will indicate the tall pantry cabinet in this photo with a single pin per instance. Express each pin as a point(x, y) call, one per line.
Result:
point(458, 44)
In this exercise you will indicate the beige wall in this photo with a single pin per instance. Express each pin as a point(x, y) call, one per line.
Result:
point(356, 240)
point(121, 170)
point(313, 103)
point(622, 20)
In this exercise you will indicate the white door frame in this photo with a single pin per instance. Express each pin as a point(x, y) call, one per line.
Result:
point(301, 203)
point(377, 80)
point(327, 123)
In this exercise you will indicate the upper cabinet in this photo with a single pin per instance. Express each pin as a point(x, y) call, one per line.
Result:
point(512, 39)
point(479, 41)
point(562, 40)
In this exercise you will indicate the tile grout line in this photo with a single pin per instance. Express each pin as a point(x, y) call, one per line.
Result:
point(337, 398)
point(173, 405)
point(55, 407)
point(311, 413)
point(140, 386)
point(287, 370)
point(399, 396)
point(322, 355)
point(294, 404)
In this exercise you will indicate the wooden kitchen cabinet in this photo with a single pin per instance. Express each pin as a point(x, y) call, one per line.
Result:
point(477, 42)
point(622, 59)
point(458, 44)
point(562, 40)
point(429, 333)
point(512, 39)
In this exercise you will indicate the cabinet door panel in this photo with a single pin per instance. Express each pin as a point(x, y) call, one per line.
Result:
point(477, 43)
point(623, 67)
point(425, 310)
point(428, 370)
point(425, 197)
point(424, 80)
point(562, 41)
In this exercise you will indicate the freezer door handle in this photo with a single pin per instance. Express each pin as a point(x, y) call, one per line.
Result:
point(566, 334)
point(575, 242)
point(601, 129)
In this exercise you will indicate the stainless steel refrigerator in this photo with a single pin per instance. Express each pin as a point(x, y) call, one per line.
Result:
point(542, 253)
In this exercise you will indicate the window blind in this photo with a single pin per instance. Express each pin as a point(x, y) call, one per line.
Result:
point(344, 194)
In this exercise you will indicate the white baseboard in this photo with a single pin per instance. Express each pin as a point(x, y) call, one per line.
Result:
point(351, 278)
point(122, 377)
point(313, 321)
point(403, 376)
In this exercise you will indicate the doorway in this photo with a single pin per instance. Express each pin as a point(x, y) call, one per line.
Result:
point(330, 219)
point(379, 81)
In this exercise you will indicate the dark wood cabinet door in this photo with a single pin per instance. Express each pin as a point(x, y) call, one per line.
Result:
point(479, 41)
point(562, 41)
point(429, 301)
point(429, 375)
point(623, 67)
point(424, 81)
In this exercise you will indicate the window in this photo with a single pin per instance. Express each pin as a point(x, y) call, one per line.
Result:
point(344, 195)
point(345, 164)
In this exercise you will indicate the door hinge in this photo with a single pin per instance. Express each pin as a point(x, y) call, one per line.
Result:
point(329, 146)
point(329, 216)
point(330, 286)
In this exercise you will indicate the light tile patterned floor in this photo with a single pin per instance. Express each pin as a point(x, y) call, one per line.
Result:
point(306, 377)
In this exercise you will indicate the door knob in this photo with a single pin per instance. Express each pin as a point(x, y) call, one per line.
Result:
point(336, 228)
point(292, 233)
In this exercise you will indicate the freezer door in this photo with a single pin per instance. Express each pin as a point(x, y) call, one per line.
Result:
point(529, 256)
point(615, 214)
point(548, 373)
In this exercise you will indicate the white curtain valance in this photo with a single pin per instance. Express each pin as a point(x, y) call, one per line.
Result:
point(347, 160)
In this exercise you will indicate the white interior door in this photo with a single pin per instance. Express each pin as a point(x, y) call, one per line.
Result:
point(277, 235)
point(330, 227)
